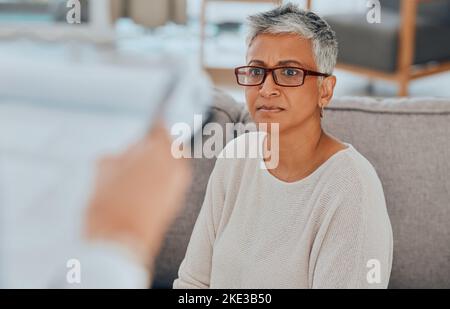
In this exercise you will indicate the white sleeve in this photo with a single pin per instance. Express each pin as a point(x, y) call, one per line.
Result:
point(195, 269)
point(103, 265)
point(354, 243)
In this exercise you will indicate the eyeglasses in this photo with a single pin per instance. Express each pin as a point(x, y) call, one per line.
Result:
point(283, 76)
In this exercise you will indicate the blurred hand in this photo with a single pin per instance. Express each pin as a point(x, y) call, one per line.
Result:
point(138, 194)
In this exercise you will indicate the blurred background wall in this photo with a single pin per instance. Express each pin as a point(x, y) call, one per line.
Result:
point(214, 31)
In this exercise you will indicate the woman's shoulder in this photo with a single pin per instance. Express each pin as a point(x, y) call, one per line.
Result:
point(354, 172)
point(359, 165)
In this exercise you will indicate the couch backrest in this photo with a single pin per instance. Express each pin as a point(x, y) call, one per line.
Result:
point(408, 143)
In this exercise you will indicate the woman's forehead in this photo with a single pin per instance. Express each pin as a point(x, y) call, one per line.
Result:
point(272, 49)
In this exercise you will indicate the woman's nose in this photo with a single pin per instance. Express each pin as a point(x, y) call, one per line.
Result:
point(269, 88)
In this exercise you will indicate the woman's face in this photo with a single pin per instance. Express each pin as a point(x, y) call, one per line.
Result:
point(289, 106)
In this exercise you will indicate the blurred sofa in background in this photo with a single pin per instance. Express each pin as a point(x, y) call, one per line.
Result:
point(409, 42)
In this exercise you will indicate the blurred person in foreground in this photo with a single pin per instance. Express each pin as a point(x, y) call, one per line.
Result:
point(137, 195)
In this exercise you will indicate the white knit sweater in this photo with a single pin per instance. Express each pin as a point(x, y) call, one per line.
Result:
point(328, 230)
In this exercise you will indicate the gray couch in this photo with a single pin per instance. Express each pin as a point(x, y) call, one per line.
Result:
point(407, 141)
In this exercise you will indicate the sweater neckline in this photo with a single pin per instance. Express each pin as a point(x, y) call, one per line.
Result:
point(308, 178)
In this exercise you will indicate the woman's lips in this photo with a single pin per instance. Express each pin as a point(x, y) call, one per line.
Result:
point(269, 109)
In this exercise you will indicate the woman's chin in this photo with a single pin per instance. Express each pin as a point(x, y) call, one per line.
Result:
point(262, 116)
point(266, 125)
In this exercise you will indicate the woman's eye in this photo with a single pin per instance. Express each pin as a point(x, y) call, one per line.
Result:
point(290, 72)
point(256, 72)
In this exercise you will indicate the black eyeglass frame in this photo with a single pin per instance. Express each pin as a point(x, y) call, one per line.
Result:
point(271, 70)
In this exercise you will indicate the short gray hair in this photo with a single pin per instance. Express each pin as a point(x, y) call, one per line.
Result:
point(289, 18)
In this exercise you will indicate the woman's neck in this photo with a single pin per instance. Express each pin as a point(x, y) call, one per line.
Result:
point(300, 151)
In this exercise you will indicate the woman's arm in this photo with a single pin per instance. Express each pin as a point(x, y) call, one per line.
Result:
point(353, 247)
point(195, 270)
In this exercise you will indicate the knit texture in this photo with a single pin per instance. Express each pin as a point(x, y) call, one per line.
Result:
point(328, 230)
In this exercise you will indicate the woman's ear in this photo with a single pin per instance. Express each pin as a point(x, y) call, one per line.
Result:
point(326, 90)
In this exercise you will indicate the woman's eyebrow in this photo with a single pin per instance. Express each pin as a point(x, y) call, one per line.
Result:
point(260, 62)
point(282, 62)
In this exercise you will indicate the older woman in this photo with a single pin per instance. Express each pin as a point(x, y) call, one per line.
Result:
point(316, 220)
